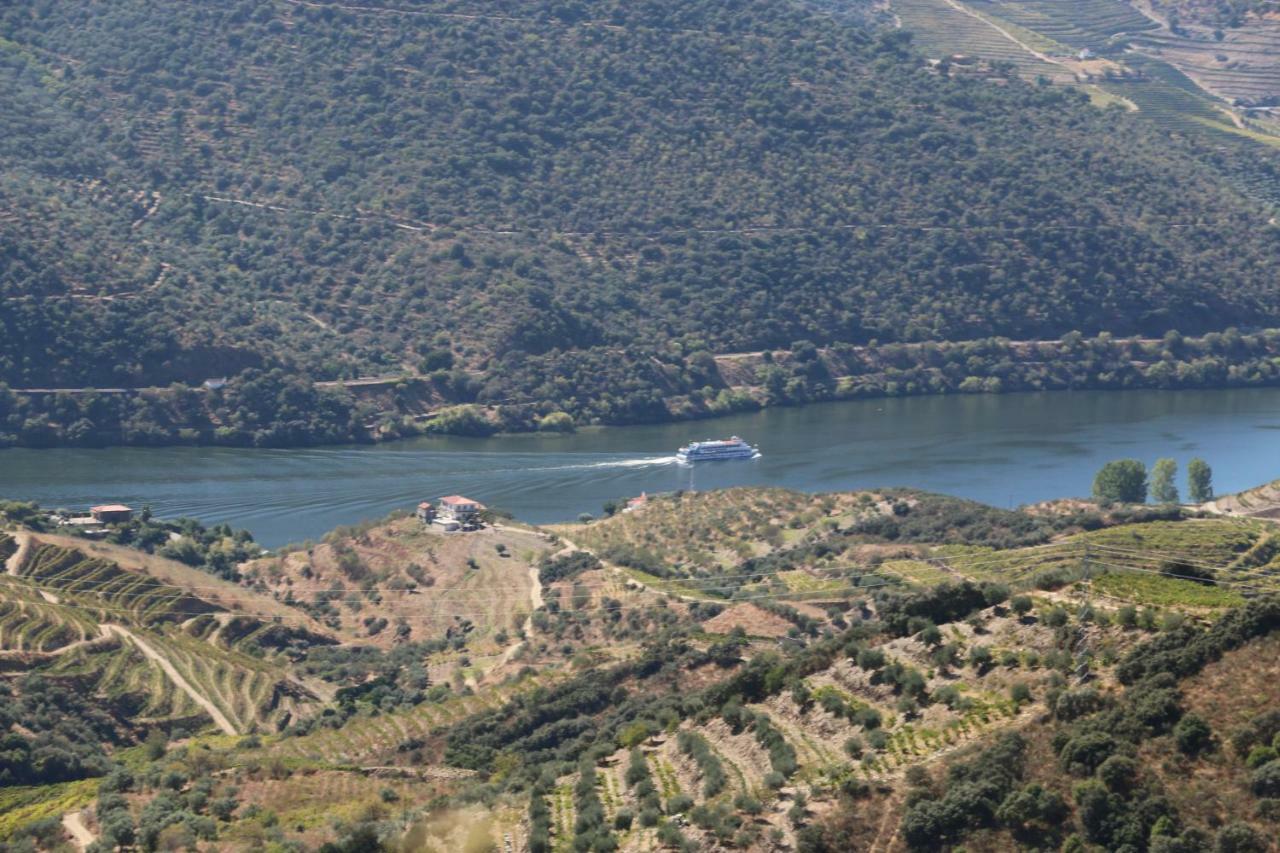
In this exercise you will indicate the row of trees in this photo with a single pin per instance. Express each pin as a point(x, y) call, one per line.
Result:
point(1127, 481)
point(561, 388)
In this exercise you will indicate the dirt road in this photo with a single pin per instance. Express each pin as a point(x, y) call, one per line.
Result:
point(81, 837)
point(18, 557)
point(176, 677)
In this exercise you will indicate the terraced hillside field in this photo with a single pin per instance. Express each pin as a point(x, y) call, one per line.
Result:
point(390, 582)
point(692, 534)
point(1184, 83)
point(1243, 67)
point(161, 653)
point(1093, 24)
point(942, 29)
point(754, 770)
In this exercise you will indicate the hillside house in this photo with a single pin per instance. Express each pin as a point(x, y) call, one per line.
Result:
point(426, 512)
point(458, 510)
point(111, 513)
point(634, 504)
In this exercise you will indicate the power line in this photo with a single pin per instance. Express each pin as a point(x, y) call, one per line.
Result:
point(781, 597)
point(132, 576)
point(477, 596)
point(1252, 571)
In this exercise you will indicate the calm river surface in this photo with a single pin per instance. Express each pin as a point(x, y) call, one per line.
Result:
point(1005, 450)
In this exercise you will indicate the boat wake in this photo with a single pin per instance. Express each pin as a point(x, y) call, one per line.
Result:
point(642, 462)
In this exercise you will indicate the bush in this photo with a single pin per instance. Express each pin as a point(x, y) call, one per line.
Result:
point(1192, 735)
point(1240, 837)
point(1259, 756)
point(679, 804)
point(1266, 780)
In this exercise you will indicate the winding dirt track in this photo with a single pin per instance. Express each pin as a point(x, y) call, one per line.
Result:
point(176, 677)
point(18, 557)
point(81, 837)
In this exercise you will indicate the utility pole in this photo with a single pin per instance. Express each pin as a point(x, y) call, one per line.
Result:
point(1080, 650)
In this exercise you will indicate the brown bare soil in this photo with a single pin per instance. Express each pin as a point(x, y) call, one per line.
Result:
point(434, 583)
point(754, 620)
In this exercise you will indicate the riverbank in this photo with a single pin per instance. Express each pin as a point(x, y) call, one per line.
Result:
point(1001, 449)
point(551, 394)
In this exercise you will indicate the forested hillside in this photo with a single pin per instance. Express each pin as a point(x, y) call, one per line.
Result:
point(501, 195)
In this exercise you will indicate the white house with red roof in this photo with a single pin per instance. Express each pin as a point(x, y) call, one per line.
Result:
point(456, 508)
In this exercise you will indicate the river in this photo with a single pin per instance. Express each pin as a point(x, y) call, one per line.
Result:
point(1002, 449)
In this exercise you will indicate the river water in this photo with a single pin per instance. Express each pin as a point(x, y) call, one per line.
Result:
point(1002, 449)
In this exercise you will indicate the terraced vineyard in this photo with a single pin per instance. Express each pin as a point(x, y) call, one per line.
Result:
point(1153, 77)
point(29, 622)
point(102, 586)
point(942, 30)
point(845, 725)
point(111, 631)
point(1243, 65)
point(368, 739)
point(725, 526)
point(1079, 24)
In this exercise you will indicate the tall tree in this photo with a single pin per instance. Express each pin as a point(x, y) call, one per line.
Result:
point(1199, 480)
point(1121, 481)
point(1163, 488)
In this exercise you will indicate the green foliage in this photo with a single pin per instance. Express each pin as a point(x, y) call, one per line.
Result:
point(318, 191)
point(1121, 481)
point(941, 519)
point(566, 566)
point(973, 799)
point(461, 420)
point(1164, 489)
point(946, 602)
point(696, 747)
point(1192, 735)
point(65, 735)
point(590, 831)
point(782, 755)
point(1240, 837)
point(1199, 481)
point(556, 422)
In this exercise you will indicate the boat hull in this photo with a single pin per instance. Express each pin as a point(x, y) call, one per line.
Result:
point(690, 458)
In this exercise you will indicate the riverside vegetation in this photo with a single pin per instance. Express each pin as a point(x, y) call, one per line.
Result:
point(550, 209)
point(743, 669)
point(272, 409)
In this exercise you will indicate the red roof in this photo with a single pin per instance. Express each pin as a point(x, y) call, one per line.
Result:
point(111, 508)
point(459, 500)
point(425, 505)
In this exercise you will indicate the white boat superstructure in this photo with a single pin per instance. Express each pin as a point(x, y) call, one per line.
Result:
point(713, 450)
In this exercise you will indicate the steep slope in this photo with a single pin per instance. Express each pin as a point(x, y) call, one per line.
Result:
point(504, 195)
point(157, 654)
point(995, 679)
